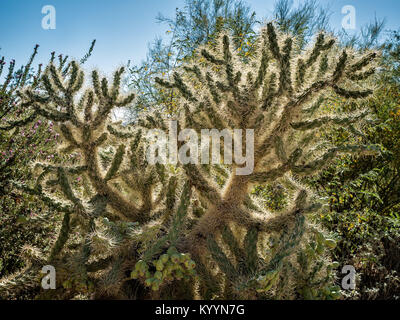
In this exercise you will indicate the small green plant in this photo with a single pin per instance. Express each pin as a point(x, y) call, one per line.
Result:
point(169, 266)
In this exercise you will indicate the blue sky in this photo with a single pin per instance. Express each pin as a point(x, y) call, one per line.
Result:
point(123, 28)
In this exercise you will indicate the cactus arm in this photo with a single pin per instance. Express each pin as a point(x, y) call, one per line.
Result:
point(316, 123)
point(206, 188)
point(18, 123)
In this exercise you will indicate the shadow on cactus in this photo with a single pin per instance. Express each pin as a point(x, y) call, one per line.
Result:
point(125, 235)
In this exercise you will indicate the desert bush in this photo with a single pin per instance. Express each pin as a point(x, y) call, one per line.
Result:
point(363, 193)
point(20, 143)
point(25, 221)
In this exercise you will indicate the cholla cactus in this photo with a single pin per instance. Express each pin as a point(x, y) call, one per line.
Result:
point(277, 92)
point(120, 212)
point(101, 198)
